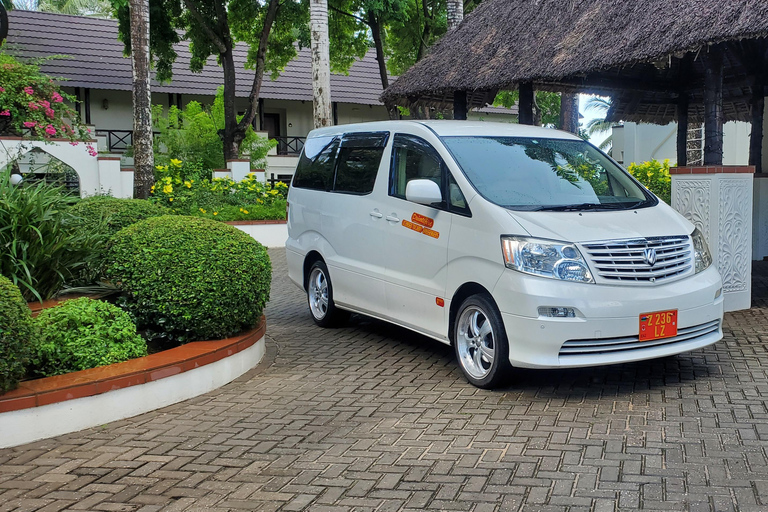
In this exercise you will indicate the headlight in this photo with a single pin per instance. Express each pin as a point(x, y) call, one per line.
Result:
point(701, 254)
point(556, 260)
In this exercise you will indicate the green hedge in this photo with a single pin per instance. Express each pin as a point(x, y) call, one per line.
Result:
point(188, 278)
point(115, 213)
point(85, 333)
point(17, 335)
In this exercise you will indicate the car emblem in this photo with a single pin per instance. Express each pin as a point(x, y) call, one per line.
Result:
point(650, 256)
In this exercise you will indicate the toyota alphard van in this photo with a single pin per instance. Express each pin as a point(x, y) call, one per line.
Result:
point(520, 246)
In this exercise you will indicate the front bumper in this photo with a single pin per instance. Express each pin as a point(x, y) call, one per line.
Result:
point(605, 330)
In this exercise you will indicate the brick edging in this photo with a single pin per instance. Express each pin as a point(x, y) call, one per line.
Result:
point(714, 169)
point(255, 222)
point(95, 381)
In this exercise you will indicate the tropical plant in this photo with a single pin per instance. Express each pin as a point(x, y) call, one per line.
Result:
point(186, 279)
point(17, 335)
point(191, 134)
point(40, 249)
point(113, 213)
point(84, 333)
point(655, 176)
point(93, 8)
point(601, 106)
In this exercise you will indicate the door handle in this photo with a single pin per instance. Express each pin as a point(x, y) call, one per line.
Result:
point(393, 218)
point(377, 214)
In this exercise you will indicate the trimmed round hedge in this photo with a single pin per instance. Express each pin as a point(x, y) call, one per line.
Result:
point(85, 333)
point(17, 335)
point(115, 213)
point(189, 279)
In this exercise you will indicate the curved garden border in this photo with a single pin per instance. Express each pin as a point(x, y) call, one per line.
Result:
point(52, 406)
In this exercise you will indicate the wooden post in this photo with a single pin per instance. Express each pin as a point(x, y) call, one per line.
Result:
point(713, 108)
point(525, 105)
point(682, 129)
point(460, 105)
point(569, 112)
point(756, 138)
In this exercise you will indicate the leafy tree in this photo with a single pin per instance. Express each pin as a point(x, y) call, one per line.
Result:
point(95, 8)
point(268, 27)
point(421, 24)
point(601, 106)
point(546, 106)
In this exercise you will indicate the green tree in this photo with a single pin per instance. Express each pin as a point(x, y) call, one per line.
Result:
point(95, 8)
point(601, 106)
point(421, 24)
point(546, 107)
point(269, 28)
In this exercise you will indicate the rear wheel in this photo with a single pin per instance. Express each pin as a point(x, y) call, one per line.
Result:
point(480, 342)
point(320, 297)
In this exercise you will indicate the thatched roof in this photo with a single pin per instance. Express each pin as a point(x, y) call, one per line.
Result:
point(632, 50)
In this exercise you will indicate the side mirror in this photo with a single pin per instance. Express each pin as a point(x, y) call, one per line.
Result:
point(425, 192)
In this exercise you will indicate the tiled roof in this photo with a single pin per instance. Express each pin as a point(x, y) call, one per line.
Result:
point(97, 61)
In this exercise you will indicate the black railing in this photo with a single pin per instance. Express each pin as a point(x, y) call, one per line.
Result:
point(285, 178)
point(118, 141)
point(289, 145)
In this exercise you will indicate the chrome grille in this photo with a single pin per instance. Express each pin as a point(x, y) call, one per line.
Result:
point(613, 345)
point(625, 260)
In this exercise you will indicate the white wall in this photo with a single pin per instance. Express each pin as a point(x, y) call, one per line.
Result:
point(637, 143)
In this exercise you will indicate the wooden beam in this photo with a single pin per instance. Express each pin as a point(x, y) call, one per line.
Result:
point(713, 107)
point(682, 130)
point(525, 105)
point(87, 106)
point(460, 105)
point(757, 105)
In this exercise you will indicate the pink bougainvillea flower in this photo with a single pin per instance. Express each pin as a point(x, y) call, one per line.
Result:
point(29, 90)
point(50, 130)
point(73, 143)
point(29, 124)
point(49, 112)
point(2, 90)
point(5, 113)
point(44, 103)
point(33, 106)
point(91, 150)
point(56, 97)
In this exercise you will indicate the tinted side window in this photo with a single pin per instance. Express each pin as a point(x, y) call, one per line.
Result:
point(316, 165)
point(358, 162)
point(413, 158)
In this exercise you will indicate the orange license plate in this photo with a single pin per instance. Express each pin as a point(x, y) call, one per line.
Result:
point(658, 325)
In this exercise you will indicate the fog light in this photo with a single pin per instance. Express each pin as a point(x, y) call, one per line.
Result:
point(718, 293)
point(557, 312)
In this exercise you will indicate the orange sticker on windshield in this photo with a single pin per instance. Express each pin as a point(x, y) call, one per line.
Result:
point(423, 220)
point(411, 225)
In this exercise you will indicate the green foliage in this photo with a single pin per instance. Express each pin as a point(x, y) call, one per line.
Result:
point(655, 176)
point(192, 135)
point(419, 24)
point(84, 333)
point(188, 279)
point(40, 247)
point(113, 213)
point(32, 105)
point(547, 103)
point(17, 335)
point(219, 199)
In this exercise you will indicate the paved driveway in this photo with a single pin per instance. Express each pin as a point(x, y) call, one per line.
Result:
point(372, 417)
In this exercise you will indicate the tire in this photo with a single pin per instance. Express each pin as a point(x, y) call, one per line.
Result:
point(480, 343)
point(320, 297)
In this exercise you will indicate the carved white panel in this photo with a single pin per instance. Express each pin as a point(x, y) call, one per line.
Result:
point(734, 254)
point(692, 200)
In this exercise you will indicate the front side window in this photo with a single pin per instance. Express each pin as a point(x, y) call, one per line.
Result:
point(316, 165)
point(531, 174)
point(358, 162)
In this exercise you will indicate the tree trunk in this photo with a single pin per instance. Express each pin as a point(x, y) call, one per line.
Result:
point(682, 129)
point(143, 157)
point(378, 44)
point(713, 108)
point(231, 135)
point(569, 112)
point(321, 63)
point(455, 13)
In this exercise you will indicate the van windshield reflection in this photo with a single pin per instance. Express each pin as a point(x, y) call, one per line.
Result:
point(535, 174)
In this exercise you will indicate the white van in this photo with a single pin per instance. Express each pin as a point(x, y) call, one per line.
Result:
point(520, 246)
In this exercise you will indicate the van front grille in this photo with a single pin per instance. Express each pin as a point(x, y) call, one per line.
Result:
point(629, 343)
point(630, 260)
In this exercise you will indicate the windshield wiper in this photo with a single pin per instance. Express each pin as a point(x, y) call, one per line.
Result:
point(575, 207)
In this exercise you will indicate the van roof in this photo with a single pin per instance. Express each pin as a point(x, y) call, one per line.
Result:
point(451, 128)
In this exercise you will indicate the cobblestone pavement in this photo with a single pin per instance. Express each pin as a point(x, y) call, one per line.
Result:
point(372, 417)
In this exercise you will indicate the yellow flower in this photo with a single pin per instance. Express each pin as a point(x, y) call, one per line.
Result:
point(170, 199)
point(168, 189)
point(159, 167)
point(175, 162)
point(245, 212)
point(260, 201)
point(215, 213)
point(274, 192)
point(202, 210)
point(188, 184)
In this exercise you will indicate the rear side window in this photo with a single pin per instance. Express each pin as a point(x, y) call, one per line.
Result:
point(316, 165)
point(358, 162)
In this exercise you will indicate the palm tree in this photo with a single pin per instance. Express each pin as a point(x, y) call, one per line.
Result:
point(601, 106)
point(321, 63)
point(95, 8)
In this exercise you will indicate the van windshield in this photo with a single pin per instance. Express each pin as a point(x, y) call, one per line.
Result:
point(531, 174)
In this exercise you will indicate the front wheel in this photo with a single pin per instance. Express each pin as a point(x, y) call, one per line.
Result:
point(320, 297)
point(480, 342)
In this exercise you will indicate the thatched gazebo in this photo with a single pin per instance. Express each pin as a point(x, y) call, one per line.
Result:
point(659, 60)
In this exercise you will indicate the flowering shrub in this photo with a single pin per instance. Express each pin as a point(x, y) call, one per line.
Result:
point(219, 198)
point(33, 106)
point(655, 176)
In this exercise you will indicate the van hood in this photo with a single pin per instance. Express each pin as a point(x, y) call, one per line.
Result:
point(659, 220)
